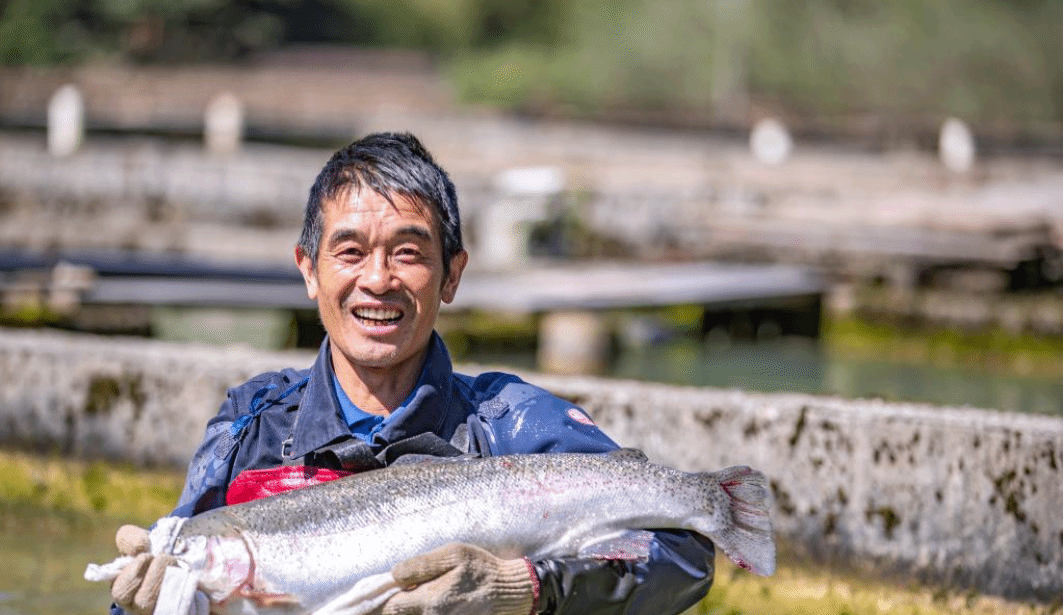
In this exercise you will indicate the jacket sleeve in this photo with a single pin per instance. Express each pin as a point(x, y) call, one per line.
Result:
point(678, 573)
point(211, 467)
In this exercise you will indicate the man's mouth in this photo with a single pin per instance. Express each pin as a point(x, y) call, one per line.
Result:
point(377, 317)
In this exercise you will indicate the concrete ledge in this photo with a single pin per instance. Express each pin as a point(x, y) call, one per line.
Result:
point(967, 497)
point(121, 398)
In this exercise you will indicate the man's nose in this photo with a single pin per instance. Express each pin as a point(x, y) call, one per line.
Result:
point(376, 277)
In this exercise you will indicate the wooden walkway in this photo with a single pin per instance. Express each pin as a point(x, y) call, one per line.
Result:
point(531, 290)
point(535, 288)
point(600, 286)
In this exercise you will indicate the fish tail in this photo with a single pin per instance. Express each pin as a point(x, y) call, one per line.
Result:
point(745, 535)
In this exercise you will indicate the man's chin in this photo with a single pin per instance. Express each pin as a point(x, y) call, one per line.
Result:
point(376, 355)
point(377, 360)
point(363, 351)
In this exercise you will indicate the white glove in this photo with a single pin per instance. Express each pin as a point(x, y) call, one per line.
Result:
point(136, 588)
point(461, 579)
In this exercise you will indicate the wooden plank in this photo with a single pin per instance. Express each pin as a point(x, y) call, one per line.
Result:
point(540, 289)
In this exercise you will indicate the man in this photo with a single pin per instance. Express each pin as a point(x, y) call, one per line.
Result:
point(380, 249)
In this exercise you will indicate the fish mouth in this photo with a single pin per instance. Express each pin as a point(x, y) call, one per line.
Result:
point(377, 316)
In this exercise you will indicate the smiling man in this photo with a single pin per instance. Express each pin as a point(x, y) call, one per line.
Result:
point(380, 250)
point(378, 277)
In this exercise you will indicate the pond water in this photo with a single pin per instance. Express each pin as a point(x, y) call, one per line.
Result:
point(800, 365)
point(45, 553)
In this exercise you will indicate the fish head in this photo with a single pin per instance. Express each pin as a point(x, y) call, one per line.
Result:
point(223, 562)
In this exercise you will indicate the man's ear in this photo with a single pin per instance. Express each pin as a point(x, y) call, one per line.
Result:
point(306, 267)
point(454, 276)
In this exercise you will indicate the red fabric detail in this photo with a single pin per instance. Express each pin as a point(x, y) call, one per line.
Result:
point(536, 589)
point(255, 484)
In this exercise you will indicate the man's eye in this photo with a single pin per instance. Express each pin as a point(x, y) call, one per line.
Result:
point(408, 254)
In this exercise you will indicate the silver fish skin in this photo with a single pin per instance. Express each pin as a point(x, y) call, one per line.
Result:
point(294, 552)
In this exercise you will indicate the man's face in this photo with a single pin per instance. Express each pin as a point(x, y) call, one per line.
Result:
point(379, 279)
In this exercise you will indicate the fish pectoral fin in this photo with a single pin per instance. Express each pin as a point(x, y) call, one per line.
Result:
point(268, 599)
point(629, 454)
point(629, 545)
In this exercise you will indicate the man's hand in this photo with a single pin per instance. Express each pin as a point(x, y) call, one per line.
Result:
point(463, 579)
point(136, 588)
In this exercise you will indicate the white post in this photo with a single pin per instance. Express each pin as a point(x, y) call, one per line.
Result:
point(66, 121)
point(770, 142)
point(223, 124)
point(69, 282)
point(503, 226)
point(956, 146)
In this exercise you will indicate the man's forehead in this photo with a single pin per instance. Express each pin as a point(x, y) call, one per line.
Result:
point(370, 201)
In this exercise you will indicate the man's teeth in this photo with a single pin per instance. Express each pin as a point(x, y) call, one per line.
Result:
point(378, 314)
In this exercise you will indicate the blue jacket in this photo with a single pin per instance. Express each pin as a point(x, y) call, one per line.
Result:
point(499, 413)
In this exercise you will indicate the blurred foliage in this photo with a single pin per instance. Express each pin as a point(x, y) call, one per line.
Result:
point(994, 61)
point(38, 32)
point(985, 60)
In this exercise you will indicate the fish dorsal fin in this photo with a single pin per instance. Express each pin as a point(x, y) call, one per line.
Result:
point(629, 545)
point(416, 459)
point(629, 454)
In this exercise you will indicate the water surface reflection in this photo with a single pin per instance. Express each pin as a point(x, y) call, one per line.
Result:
point(801, 365)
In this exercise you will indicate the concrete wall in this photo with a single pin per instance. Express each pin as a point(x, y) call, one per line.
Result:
point(969, 497)
point(144, 401)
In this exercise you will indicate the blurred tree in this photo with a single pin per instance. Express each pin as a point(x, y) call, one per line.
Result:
point(995, 61)
point(447, 26)
point(32, 31)
point(980, 59)
point(990, 61)
point(50, 31)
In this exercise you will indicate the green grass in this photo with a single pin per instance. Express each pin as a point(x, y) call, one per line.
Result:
point(812, 590)
point(87, 489)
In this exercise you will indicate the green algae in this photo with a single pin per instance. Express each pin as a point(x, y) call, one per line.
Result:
point(989, 349)
point(806, 589)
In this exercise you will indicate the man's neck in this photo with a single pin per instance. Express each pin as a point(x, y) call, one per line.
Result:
point(377, 390)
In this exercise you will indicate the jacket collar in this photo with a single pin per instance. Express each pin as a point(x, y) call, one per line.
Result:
point(320, 421)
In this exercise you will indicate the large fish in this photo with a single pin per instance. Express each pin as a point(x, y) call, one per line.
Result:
point(303, 551)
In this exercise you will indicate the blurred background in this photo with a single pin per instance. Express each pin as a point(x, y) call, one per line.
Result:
point(843, 197)
point(847, 197)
